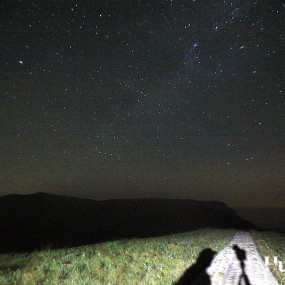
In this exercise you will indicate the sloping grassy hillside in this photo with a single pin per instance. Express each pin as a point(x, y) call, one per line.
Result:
point(150, 261)
point(271, 244)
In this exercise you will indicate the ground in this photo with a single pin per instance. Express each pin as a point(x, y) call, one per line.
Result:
point(152, 261)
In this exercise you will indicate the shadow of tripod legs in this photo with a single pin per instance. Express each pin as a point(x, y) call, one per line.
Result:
point(241, 256)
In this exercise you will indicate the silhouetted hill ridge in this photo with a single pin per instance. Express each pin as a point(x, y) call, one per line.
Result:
point(36, 220)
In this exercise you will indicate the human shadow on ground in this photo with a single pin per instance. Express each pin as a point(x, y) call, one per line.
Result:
point(241, 256)
point(196, 274)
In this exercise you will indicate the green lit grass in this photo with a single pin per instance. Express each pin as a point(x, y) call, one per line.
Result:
point(271, 244)
point(149, 261)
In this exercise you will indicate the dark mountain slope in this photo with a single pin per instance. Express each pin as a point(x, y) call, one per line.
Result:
point(29, 222)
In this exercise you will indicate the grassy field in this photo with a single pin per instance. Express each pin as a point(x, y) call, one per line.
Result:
point(271, 244)
point(153, 261)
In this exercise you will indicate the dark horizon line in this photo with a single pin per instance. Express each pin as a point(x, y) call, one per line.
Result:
point(148, 198)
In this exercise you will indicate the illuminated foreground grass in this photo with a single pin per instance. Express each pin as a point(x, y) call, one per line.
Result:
point(271, 244)
point(149, 261)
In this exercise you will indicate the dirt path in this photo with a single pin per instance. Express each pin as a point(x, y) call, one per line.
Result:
point(226, 268)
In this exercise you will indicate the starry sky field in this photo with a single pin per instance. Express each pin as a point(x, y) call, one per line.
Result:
point(136, 99)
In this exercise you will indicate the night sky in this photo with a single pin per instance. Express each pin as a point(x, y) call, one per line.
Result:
point(136, 99)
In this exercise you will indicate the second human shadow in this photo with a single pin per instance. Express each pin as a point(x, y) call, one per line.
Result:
point(196, 274)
